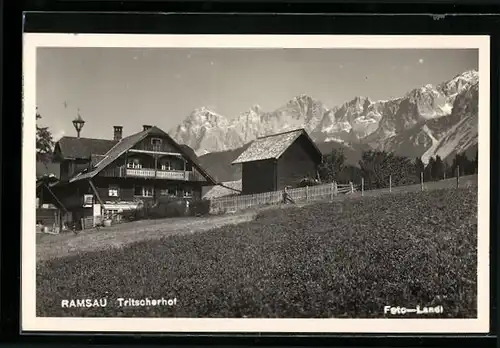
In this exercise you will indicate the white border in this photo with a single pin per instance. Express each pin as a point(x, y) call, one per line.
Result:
point(29, 320)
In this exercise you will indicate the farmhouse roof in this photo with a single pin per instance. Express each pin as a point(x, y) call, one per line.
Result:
point(120, 147)
point(272, 146)
point(77, 148)
point(95, 158)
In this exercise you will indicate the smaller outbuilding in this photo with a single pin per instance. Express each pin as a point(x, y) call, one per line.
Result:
point(272, 162)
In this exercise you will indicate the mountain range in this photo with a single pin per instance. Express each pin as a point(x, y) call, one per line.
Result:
point(425, 122)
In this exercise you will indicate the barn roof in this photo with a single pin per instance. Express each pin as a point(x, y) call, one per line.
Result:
point(271, 146)
point(229, 188)
point(101, 162)
point(73, 147)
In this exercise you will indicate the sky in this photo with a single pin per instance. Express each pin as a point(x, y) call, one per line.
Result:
point(130, 87)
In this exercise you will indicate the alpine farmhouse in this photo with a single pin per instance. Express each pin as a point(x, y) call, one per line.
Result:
point(100, 176)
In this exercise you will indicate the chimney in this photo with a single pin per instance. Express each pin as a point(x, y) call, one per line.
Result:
point(145, 127)
point(117, 133)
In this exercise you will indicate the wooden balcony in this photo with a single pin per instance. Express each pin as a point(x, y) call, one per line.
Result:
point(150, 173)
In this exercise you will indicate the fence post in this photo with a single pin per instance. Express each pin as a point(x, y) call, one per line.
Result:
point(390, 183)
point(421, 181)
point(82, 221)
point(362, 186)
point(458, 175)
point(352, 186)
point(307, 193)
point(336, 189)
point(332, 190)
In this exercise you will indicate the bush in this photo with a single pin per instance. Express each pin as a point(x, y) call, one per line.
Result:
point(173, 207)
point(341, 259)
point(199, 207)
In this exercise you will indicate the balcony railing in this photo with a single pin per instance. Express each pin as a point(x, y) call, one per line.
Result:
point(142, 173)
point(181, 175)
point(173, 174)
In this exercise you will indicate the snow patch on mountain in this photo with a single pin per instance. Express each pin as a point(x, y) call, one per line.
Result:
point(432, 148)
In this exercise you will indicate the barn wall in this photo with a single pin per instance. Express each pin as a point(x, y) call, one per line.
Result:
point(258, 177)
point(296, 163)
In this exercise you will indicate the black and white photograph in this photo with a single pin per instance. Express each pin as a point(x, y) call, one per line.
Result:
point(256, 183)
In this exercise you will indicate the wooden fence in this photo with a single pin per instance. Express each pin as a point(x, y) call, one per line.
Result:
point(302, 194)
point(329, 191)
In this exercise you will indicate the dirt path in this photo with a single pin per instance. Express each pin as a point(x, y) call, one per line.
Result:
point(51, 246)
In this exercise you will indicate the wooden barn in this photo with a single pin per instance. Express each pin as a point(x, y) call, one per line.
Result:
point(270, 163)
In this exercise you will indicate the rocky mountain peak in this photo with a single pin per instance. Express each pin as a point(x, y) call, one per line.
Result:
point(396, 124)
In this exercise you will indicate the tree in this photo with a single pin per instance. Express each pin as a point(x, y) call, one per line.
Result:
point(378, 166)
point(349, 174)
point(44, 142)
point(333, 164)
point(437, 170)
point(476, 162)
point(447, 172)
point(466, 166)
point(428, 173)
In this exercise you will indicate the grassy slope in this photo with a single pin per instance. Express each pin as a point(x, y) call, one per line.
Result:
point(342, 259)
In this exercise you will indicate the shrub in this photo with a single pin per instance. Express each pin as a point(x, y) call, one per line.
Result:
point(199, 207)
point(174, 207)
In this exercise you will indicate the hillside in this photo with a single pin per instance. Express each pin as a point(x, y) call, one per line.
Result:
point(318, 261)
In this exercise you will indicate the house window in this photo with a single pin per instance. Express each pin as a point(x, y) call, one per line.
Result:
point(170, 192)
point(147, 191)
point(113, 191)
point(143, 191)
point(166, 165)
point(134, 163)
point(88, 200)
point(156, 143)
point(188, 192)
